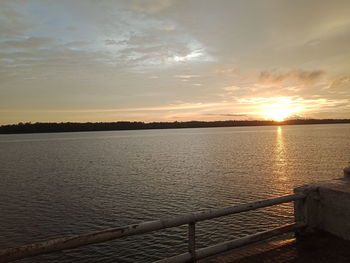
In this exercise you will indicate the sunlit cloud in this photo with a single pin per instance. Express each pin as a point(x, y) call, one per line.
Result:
point(232, 88)
point(186, 76)
point(191, 56)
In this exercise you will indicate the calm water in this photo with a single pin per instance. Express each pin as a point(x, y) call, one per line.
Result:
point(54, 185)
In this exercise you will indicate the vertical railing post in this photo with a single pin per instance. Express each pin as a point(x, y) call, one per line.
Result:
point(306, 209)
point(300, 211)
point(192, 241)
point(347, 172)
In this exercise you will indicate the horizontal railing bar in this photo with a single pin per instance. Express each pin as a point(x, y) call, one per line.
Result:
point(236, 243)
point(11, 254)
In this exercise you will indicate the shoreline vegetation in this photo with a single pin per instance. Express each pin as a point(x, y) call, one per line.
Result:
point(41, 127)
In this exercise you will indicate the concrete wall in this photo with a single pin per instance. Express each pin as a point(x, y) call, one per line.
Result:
point(327, 206)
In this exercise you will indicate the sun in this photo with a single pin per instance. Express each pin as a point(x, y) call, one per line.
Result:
point(279, 115)
point(279, 109)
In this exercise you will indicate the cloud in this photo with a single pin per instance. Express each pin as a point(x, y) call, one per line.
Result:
point(172, 107)
point(299, 75)
point(162, 53)
point(26, 43)
point(186, 76)
point(227, 114)
point(342, 83)
point(13, 22)
point(167, 27)
point(148, 43)
point(232, 88)
point(76, 44)
point(110, 42)
point(150, 6)
point(117, 36)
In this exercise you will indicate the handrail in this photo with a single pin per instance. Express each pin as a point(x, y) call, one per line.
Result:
point(236, 243)
point(11, 254)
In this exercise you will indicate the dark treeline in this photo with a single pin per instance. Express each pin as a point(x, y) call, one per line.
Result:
point(125, 125)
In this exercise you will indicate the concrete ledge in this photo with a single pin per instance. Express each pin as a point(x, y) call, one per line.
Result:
point(327, 207)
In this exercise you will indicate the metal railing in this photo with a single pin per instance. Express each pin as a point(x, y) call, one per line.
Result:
point(31, 250)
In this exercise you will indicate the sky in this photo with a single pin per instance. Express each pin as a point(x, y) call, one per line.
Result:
point(173, 60)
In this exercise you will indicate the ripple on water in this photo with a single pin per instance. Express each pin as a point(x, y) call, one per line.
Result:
point(54, 185)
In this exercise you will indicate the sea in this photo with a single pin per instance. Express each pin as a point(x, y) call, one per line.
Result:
point(63, 184)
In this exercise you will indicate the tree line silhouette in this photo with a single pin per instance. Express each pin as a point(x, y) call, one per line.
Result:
point(41, 127)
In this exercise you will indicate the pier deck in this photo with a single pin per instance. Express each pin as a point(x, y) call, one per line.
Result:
point(319, 248)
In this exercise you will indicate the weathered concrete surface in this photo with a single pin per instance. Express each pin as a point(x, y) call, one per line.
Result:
point(327, 206)
point(318, 248)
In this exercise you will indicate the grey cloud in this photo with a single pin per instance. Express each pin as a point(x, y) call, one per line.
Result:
point(156, 52)
point(150, 6)
point(13, 23)
point(143, 45)
point(298, 75)
point(144, 39)
point(76, 44)
point(111, 42)
point(60, 61)
point(234, 115)
point(71, 28)
point(27, 43)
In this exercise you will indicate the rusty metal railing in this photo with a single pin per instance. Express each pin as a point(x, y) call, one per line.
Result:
point(31, 250)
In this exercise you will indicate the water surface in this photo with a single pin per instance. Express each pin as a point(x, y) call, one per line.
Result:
point(59, 184)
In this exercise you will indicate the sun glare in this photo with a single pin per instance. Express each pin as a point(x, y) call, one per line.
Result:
point(277, 114)
point(280, 109)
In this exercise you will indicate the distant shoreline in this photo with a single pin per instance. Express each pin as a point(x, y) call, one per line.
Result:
point(125, 125)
